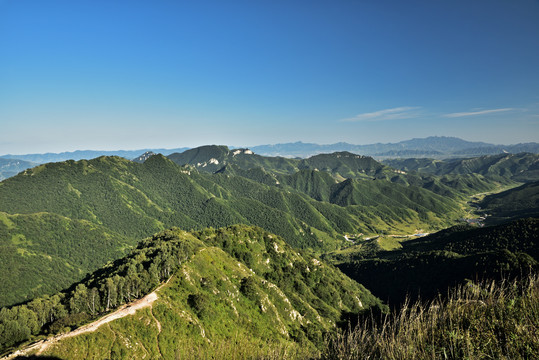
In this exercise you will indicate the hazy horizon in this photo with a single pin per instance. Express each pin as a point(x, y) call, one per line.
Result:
point(134, 75)
point(232, 146)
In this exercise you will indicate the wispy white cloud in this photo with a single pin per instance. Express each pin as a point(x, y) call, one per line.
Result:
point(404, 112)
point(473, 113)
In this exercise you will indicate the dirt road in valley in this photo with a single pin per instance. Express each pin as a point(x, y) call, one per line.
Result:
point(128, 309)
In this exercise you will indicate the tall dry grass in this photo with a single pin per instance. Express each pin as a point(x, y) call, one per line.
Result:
point(489, 320)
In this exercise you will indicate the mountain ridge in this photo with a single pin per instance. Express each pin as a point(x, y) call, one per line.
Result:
point(131, 200)
point(216, 284)
point(437, 146)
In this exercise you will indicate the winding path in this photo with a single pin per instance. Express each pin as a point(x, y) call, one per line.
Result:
point(128, 309)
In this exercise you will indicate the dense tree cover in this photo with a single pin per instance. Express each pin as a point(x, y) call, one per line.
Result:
point(120, 282)
point(311, 288)
point(345, 164)
point(43, 253)
point(519, 167)
point(519, 202)
point(427, 266)
point(130, 200)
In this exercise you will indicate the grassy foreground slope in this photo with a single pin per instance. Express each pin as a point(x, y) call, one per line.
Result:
point(486, 320)
point(231, 284)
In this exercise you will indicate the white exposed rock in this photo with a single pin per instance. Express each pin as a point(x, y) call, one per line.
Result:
point(214, 161)
point(276, 247)
point(187, 277)
point(294, 314)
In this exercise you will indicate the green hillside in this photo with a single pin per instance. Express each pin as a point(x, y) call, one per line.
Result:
point(42, 253)
point(131, 200)
point(230, 284)
point(429, 265)
point(519, 202)
point(518, 167)
point(343, 165)
point(212, 158)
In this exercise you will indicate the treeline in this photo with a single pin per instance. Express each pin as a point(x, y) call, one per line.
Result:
point(118, 283)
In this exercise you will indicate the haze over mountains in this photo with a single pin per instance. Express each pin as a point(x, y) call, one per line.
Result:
point(434, 146)
point(431, 147)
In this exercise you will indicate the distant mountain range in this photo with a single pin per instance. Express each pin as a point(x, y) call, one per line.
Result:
point(437, 147)
point(87, 155)
point(11, 167)
point(433, 146)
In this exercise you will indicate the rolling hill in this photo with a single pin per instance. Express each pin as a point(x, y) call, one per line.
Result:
point(429, 265)
point(238, 285)
point(519, 202)
point(340, 165)
point(129, 200)
point(518, 167)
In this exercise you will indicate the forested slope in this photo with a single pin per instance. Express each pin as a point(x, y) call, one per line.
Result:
point(231, 283)
point(128, 200)
point(522, 201)
point(427, 266)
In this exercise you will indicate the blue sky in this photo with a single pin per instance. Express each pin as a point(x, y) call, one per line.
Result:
point(138, 74)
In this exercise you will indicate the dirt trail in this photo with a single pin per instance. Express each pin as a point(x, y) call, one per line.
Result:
point(124, 310)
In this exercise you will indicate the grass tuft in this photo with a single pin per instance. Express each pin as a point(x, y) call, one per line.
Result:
point(489, 320)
